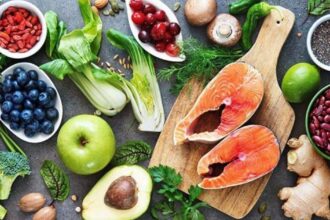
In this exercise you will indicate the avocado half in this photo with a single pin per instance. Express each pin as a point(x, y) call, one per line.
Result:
point(95, 205)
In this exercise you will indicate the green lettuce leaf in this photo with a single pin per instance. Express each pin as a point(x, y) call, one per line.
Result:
point(52, 32)
point(58, 68)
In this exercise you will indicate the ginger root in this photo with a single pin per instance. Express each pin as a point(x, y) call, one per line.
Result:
point(311, 195)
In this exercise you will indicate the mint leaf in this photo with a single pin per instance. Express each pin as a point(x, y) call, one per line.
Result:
point(56, 180)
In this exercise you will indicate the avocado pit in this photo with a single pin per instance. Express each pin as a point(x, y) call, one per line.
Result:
point(122, 193)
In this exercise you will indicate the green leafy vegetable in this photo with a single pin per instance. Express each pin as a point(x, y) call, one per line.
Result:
point(3, 212)
point(175, 205)
point(318, 7)
point(52, 32)
point(58, 68)
point(132, 152)
point(201, 62)
point(56, 180)
point(9, 142)
point(12, 165)
point(3, 61)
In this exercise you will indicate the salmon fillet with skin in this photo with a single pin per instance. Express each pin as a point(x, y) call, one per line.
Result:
point(246, 154)
point(226, 103)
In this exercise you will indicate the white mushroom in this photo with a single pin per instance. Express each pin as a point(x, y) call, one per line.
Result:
point(225, 30)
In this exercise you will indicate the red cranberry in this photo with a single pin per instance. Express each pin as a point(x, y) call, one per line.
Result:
point(174, 28)
point(150, 19)
point(160, 46)
point(144, 36)
point(172, 50)
point(168, 38)
point(158, 31)
point(160, 15)
point(136, 5)
point(149, 8)
point(138, 17)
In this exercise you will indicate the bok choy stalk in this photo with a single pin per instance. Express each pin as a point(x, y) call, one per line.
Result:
point(145, 94)
point(73, 54)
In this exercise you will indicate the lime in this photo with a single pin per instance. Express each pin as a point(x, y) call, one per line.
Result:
point(300, 82)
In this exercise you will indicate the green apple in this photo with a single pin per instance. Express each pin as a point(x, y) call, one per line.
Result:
point(86, 144)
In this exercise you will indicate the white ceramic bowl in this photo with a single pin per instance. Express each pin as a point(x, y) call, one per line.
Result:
point(309, 42)
point(40, 137)
point(147, 46)
point(35, 11)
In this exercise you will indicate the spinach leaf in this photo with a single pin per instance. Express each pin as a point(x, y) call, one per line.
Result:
point(318, 7)
point(58, 68)
point(56, 180)
point(52, 32)
point(131, 153)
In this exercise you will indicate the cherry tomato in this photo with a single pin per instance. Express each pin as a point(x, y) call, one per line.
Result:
point(160, 15)
point(138, 17)
point(158, 31)
point(160, 46)
point(149, 8)
point(172, 50)
point(136, 5)
point(150, 19)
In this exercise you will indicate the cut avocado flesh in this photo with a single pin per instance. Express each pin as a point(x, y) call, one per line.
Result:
point(95, 207)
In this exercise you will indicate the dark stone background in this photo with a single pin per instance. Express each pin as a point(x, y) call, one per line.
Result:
point(124, 124)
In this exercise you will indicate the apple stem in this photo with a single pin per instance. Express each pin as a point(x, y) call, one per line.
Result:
point(83, 141)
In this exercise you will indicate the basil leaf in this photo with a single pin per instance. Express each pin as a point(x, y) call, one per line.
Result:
point(56, 180)
point(318, 7)
point(58, 68)
point(131, 153)
point(52, 33)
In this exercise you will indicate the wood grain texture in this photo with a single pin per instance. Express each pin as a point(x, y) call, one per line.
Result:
point(274, 113)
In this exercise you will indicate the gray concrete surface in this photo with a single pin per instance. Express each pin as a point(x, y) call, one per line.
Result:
point(124, 124)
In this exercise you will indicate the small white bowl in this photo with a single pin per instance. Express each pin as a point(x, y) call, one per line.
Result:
point(147, 46)
point(35, 11)
point(309, 42)
point(40, 137)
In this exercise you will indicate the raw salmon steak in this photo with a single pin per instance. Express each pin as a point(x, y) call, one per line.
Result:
point(243, 156)
point(226, 103)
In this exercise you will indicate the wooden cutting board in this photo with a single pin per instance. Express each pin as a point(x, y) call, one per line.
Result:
point(274, 112)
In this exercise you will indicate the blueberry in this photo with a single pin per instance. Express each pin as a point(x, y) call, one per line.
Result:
point(7, 85)
point(9, 77)
point(33, 74)
point(26, 116)
point(14, 125)
point(15, 85)
point(28, 104)
point(17, 71)
point(32, 84)
point(43, 98)
point(15, 115)
point(22, 78)
point(50, 104)
point(8, 96)
point(17, 97)
point(47, 127)
point(33, 125)
point(29, 130)
point(5, 117)
point(7, 106)
point(18, 107)
point(33, 95)
point(52, 114)
point(39, 114)
point(41, 85)
point(51, 91)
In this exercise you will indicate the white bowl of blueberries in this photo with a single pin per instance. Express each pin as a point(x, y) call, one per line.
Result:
point(31, 107)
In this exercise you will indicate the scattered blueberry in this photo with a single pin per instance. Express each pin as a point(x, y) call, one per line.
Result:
point(52, 114)
point(26, 116)
point(32, 84)
point(7, 85)
point(47, 127)
point(51, 91)
point(7, 106)
point(42, 86)
point(14, 125)
point(17, 97)
point(33, 74)
point(28, 104)
point(43, 98)
point(33, 95)
point(5, 117)
point(39, 114)
point(15, 115)
point(22, 78)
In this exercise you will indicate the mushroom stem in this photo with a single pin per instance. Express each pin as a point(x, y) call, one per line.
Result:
point(224, 30)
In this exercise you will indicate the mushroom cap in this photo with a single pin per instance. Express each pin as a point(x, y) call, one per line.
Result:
point(225, 30)
point(199, 12)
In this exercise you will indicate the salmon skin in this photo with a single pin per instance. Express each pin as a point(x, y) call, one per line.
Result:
point(246, 154)
point(226, 103)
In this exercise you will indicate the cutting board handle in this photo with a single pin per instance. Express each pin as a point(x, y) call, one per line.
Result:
point(271, 38)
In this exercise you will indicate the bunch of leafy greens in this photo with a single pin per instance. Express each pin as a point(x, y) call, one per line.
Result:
point(132, 152)
point(56, 180)
point(202, 62)
point(318, 7)
point(175, 205)
point(73, 55)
